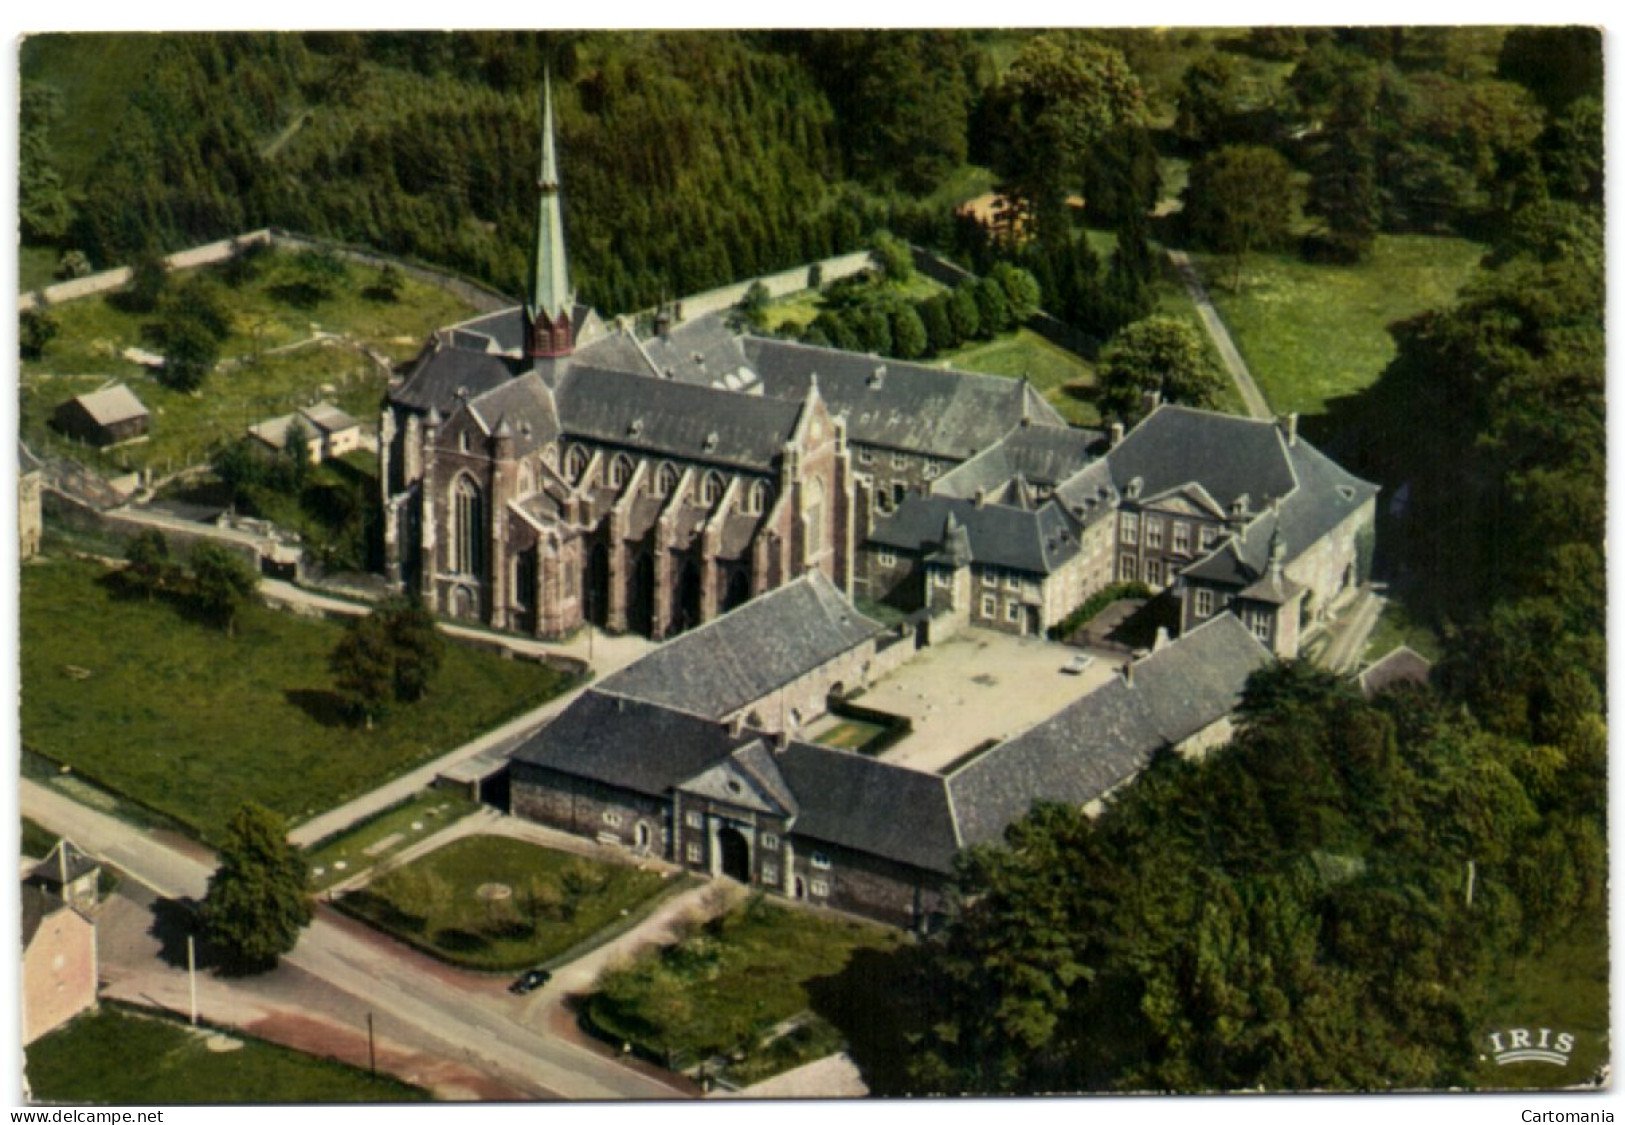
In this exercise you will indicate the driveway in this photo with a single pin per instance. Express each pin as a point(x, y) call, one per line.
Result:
point(1256, 405)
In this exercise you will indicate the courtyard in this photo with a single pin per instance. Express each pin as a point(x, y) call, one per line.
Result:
point(975, 687)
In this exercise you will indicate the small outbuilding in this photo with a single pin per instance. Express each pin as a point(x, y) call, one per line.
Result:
point(328, 431)
point(105, 417)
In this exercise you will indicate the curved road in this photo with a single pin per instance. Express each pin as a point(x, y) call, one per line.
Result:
point(1257, 407)
point(388, 978)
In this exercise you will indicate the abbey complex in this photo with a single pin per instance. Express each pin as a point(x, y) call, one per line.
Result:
point(545, 470)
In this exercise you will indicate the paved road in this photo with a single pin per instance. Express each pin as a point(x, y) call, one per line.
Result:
point(451, 1007)
point(1257, 407)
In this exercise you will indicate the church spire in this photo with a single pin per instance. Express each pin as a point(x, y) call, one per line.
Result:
point(550, 301)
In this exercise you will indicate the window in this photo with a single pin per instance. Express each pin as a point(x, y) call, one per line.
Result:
point(620, 470)
point(612, 818)
point(1182, 537)
point(990, 605)
point(820, 861)
point(866, 456)
point(695, 853)
point(932, 469)
point(820, 887)
point(899, 460)
point(886, 558)
point(812, 511)
point(1153, 533)
point(712, 492)
point(575, 463)
point(1012, 580)
point(1130, 528)
point(770, 842)
point(770, 873)
point(942, 576)
point(463, 442)
point(899, 493)
point(1127, 569)
point(1263, 624)
point(694, 819)
point(467, 528)
point(1012, 611)
point(1204, 602)
point(761, 493)
point(990, 576)
point(1153, 571)
point(1210, 536)
point(666, 480)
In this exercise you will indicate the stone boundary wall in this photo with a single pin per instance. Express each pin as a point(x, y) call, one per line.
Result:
point(781, 284)
point(482, 297)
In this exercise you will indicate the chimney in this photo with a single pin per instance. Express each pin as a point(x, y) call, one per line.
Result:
point(736, 725)
point(1116, 438)
point(1162, 639)
point(1290, 425)
point(1128, 672)
point(981, 498)
point(1150, 400)
point(781, 740)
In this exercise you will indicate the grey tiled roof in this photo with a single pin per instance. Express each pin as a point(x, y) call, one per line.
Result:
point(435, 377)
point(677, 419)
point(729, 780)
point(866, 805)
point(623, 742)
point(949, 414)
point(1227, 455)
point(1036, 541)
point(1404, 665)
point(748, 653)
point(702, 351)
point(526, 405)
point(1109, 735)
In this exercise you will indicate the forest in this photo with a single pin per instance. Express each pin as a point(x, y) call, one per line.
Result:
point(1328, 902)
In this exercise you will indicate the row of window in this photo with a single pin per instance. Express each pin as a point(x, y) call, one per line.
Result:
point(900, 460)
point(1260, 621)
point(666, 478)
point(769, 842)
point(990, 609)
point(1129, 533)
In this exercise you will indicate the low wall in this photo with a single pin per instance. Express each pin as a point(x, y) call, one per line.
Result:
point(781, 284)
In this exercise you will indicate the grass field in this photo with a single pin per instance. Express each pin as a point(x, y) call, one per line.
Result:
point(1313, 333)
point(252, 383)
point(193, 723)
point(116, 1057)
point(375, 840)
point(728, 982)
point(1563, 987)
point(553, 902)
point(852, 734)
point(1062, 377)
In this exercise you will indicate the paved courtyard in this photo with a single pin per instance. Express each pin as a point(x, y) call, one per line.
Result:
point(976, 686)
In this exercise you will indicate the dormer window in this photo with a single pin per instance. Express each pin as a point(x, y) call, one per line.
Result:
point(635, 428)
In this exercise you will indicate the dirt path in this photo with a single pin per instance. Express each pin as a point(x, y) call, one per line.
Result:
point(1256, 405)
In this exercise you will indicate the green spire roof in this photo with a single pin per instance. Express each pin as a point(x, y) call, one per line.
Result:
point(550, 292)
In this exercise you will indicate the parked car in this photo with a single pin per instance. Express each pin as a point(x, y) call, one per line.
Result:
point(1078, 664)
point(529, 981)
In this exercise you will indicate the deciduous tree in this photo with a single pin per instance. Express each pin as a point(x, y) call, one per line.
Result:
point(221, 582)
point(1158, 354)
point(258, 899)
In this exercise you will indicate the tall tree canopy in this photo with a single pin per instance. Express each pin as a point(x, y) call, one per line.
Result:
point(258, 899)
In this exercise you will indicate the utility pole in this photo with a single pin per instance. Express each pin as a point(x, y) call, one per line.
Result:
point(191, 973)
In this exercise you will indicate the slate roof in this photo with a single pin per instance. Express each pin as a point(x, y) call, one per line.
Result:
point(703, 351)
point(1109, 735)
point(869, 806)
point(526, 405)
point(1089, 495)
point(663, 416)
point(38, 905)
point(1036, 541)
point(434, 378)
point(749, 778)
point(329, 418)
point(113, 405)
point(1404, 665)
point(931, 410)
point(624, 742)
point(63, 865)
point(1227, 455)
point(749, 652)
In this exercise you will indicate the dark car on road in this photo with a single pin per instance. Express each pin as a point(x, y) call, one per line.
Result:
point(529, 981)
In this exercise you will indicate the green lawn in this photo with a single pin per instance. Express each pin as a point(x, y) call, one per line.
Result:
point(852, 734)
point(548, 902)
point(726, 984)
point(251, 384)
point(376, 839)
point(37, 840)
point(153, 704)
point(1061, 376)
point(116, 1057)
point(36, 267)
point(1313, 333)
point(1563, 987)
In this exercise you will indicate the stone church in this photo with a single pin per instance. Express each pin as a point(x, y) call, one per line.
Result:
point(544, 468)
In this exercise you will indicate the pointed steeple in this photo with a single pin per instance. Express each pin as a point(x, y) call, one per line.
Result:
point(551, 300)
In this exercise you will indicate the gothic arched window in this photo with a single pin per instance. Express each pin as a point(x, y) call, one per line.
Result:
point(761, 495)
point(467, 528)
point(575, 463)
point(713, 488)
point(666, 479)
point(620, 470)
